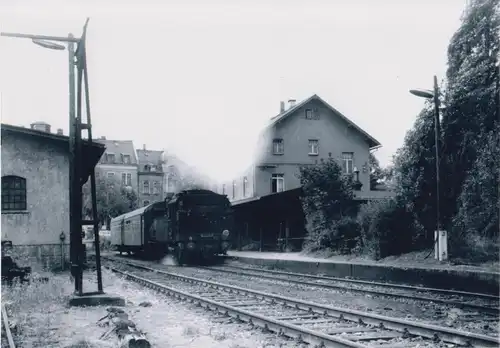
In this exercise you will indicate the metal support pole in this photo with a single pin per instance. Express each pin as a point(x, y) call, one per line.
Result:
point(437, 136)
point(75, 227)
point(78, 174)
point(92, 175)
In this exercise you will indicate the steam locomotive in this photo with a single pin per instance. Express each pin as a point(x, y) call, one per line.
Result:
point(191, 225)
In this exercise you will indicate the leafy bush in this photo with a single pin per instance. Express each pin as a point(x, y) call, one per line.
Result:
point(328, 206)
point(386, 228)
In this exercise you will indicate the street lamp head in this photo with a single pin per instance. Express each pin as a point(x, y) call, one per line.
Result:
point(423, 93)
point(48, 44)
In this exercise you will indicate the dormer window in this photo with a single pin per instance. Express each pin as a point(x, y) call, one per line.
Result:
point(110, 157)
point(147, 168)
point(126, 159)
point(153, 168)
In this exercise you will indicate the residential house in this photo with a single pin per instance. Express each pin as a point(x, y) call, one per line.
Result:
point(35, 190)
point(302, 134)
point(150, 175)
point(119, 162)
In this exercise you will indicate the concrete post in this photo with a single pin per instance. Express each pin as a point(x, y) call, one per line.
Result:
point(436, 245)
point(443, 245)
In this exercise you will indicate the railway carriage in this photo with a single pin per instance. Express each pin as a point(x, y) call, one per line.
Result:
point(192, 225)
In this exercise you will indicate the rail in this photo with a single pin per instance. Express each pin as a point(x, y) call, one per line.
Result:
point(280, 276)
point(8, 333)
point(403, 327)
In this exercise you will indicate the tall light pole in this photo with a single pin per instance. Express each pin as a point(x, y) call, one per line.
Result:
point(437, 131)
point(76, 58)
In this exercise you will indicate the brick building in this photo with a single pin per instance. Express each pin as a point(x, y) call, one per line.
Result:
point(150, 176)
point(35, 191)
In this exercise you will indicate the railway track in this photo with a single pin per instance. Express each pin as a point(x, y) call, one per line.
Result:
point(317, 325)
point(483, 303)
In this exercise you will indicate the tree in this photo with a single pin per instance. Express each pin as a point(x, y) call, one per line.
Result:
point(376, 173)
point(112, 199)
point(327, 201)
point(478, 204)
point(415, 173)
point(471, 97)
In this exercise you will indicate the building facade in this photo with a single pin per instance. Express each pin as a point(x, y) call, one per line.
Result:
point(35, 192)
point(150, 176)
point(303, 134)
point(265, 197)
point(119, 163)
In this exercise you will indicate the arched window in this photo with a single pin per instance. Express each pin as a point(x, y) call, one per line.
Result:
point(13, 193)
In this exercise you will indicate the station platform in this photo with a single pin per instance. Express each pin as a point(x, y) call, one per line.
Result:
point(439, 275)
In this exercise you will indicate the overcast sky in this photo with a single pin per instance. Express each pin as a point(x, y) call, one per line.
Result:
point(201, 79)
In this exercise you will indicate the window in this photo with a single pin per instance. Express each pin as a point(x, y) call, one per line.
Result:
point(245, 184)
point(156, 187)
point(126, 179)
point(110, 157)
point(126, 159)
point(234, 189)
point(13, 193)
point(278, 147)
point(147, 168)
point(277, 183)
point(145, 187)
point(313, 147)
point(347, 162)
point(309, 114)
point(110, 175)
point(145, 203)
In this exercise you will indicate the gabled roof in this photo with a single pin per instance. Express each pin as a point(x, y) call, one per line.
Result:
point(91, 152)
point(149, 156)
point(118, 147)
point(373, 143)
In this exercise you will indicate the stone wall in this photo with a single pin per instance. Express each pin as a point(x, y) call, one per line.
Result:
point(47, 257)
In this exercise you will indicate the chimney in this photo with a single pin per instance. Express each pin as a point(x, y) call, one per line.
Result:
point(60, 131)
point(291, 103)
point(144, 147)
point(282, 107)
point(103, 137)
point(41, 126)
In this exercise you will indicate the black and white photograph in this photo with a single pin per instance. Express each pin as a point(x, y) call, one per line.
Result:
point(250, 174)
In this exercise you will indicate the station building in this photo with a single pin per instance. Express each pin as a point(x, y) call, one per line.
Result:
point(35, 191)
point(266, 196)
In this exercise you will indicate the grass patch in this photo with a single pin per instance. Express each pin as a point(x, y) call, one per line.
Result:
point(33, 308)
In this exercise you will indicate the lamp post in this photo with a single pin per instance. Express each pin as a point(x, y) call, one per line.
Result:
point(441, 251)
point(76, 58)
